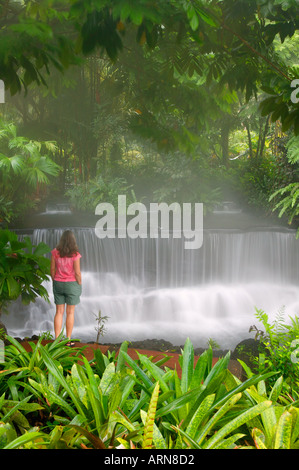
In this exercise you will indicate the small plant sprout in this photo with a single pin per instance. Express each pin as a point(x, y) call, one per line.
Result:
point(100, 327)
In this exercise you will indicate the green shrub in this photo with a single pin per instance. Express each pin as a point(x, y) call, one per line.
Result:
point(279, 347)
point(23, 269)
point(113, 401)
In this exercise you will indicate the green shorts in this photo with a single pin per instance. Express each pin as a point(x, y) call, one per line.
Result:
point(67, 292)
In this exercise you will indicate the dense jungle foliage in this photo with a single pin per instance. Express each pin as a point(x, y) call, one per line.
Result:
point(161, 101)
point(165, 100)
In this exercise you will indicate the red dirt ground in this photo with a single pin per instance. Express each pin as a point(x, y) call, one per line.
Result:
point(172, 363)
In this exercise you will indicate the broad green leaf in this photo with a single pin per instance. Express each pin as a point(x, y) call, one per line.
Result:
point(211, 388)
point(237, 422)
point(200, 413)
point(187, 365)
point(207, 18)
point(221, 365)
point(216, 417)
point(78, 384)
point(20, 420)
point(55, 437)
point(230, 442)
point(246, 368)
point(56, 372)
point(115, 397)
point(95, 441)
point(93, 381)
point(14, 288)
point(181, 401)
point(283, 432)
point(58, 400)
point(24, 439)
point(41, 249)
point(121, 360)
point(53, 383)
point(269, 421)
point(119, 418)
point(36, 386)
point(21, 405)
point(259, 438)
point(155, 371)
point(178, 393)
point(194, 22)
point(194, 444)
point(199, 370)
point(107, 378)
point(139, 372)
point(2, 400)
point(7, 434)
point(127, 391)
point(24, 405)
point(243, 386)
point(99, 412)
point(35, 355)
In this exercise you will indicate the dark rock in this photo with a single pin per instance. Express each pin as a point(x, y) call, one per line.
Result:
point(199, 351)
point(150, 344)
point(153, 345)
point(163, 345)
point(247, 347)
point(220, 352)
point(248, 351)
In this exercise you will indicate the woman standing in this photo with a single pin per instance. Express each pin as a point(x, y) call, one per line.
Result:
point(66, 275)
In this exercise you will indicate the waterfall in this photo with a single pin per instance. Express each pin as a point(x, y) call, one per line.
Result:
point(155, 288)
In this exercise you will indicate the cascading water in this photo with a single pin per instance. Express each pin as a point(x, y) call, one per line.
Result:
point(154, 288)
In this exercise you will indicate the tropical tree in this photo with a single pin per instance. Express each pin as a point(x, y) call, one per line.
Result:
point(172, 76)
point(225, 33)
point(287, 198)
point(33, 36)
point(23, 269)
point(235, 38)
point(25, 169)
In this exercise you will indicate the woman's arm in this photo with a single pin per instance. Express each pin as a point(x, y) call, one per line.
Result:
point(77, 271)
point(53, 267)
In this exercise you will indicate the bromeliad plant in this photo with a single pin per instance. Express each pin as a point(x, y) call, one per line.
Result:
point(116, 402)
point(189, 408)
point(278, 426)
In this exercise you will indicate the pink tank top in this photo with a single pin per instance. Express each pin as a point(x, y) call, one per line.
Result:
point(64, 267)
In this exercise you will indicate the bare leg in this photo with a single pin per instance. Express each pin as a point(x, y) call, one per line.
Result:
point(58, 319)
point(70, 314)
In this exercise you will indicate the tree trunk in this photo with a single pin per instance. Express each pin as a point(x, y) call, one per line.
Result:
point(224, 143)
point(249, 139)
point(262, 139)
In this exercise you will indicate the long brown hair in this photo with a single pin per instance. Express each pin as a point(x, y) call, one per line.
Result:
point(67, 245)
